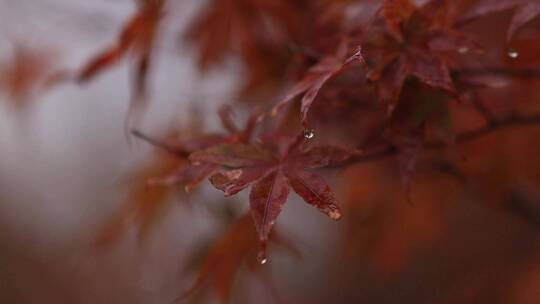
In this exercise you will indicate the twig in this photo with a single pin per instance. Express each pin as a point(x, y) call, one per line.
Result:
point(464, 137)
point(522, 73)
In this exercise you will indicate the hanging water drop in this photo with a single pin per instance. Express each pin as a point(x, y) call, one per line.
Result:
point(261, 256)
point(335, 215)
point(309, 134)
point(513, 54)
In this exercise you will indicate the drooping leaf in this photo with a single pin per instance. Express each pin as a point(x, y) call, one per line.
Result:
point(137, 39)
point(225, 259)
point(235, 248)
point(315, 79)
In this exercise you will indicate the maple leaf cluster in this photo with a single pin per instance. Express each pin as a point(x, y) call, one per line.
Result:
point(350, 81)
point(385, 82)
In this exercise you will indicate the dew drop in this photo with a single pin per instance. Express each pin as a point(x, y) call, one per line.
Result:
point(261, 256)
point(335, 215)
point(309, 134)
point(513, 54)
point(463, 50)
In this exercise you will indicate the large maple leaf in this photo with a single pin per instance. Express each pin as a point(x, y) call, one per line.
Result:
point(407, 40)
point(524, 11)
point(272, 172)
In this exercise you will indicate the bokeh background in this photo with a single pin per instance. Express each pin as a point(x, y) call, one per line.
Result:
point(65, 167)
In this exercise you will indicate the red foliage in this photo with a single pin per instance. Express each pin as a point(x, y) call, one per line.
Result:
point(430, 79)
point(272, 170)
point(138, 36)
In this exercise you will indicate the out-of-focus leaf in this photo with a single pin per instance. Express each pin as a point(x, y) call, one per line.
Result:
point(27, 72)
point(137, 36)
point(235, 248)
point(525, 11)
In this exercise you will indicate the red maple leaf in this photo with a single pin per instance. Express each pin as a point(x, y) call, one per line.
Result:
point(406, 40)
point(272, 172)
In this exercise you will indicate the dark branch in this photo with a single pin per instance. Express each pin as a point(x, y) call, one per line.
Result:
point(465, 137)
point(523, 73)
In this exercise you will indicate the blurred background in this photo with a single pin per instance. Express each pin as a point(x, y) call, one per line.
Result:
point(67, 170)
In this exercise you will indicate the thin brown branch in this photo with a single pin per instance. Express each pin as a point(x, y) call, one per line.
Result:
point(520, 73)
point(462, 138)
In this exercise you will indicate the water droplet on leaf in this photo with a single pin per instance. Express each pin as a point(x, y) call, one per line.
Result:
point(513, 54)
point(309, 134)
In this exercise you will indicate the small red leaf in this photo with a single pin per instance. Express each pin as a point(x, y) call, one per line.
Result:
point(316, 77)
